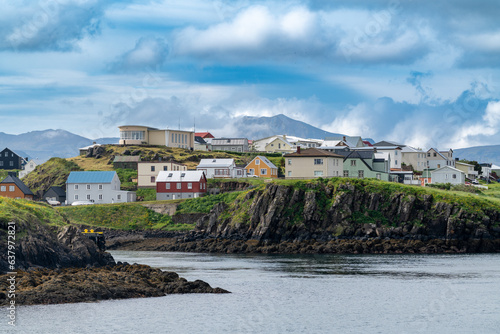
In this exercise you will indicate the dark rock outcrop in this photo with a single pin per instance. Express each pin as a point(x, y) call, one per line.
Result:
point(73, 285)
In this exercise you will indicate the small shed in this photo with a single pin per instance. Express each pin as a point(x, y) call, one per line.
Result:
point(55, 194)
point(126, 161)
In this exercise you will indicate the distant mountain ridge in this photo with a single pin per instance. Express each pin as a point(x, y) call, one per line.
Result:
point(261, 127)
point(43, 145)
point(486, 154)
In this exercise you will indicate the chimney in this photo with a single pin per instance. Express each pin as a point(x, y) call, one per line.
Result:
point(94, 143)
point(298, 149)
point(12, 174)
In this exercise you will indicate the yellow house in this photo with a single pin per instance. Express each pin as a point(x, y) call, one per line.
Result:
point(262, 167)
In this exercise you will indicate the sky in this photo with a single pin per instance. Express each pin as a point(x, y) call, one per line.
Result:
point(422, 73)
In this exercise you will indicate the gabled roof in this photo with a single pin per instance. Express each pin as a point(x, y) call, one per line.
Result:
point(229, 141)
point(180, 176)
point(59, 191)
point(264, 160)
point(91, 177)
point(211, 163)
point(437, 151)
point(199, 140)
point(19, 154)
point(127, 158)
point(203, 135)
point(14, 179)
point(358, 154)
point(409, 149)
point(313, 152)
point(351, 141)
point(447, 167)
point(388, 143)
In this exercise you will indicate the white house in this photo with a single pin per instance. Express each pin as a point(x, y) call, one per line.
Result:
point(448, 174)
point(220, 168)
point(438, 159)
point(28, 168)
point(97, 187)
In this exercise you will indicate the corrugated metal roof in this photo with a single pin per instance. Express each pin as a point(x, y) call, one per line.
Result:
point(91, 177)
point(180, 176)
point(211, 163)
point(127, 158)
point(229, 141)
point(266, 161)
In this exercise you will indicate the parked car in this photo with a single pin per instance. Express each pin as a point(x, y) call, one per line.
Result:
point(53, 202)
point(475, 182)
point(82, 203)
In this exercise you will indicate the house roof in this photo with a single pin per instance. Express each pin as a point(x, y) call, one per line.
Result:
point(313, 152)
point(446, 167)
point(199, 140)
point(91, 177)
point(211, 163)
point(180, 176)
point(127, 158)
point(229, 141)
point(14, 179)
point(409, 149)
point(264, 160)
point(204, 134)
point(58, 190)
point(387, 143)
point(358, 154)
point(437, 151)
point(350, 141)
point(463, 163)
point(367, 143)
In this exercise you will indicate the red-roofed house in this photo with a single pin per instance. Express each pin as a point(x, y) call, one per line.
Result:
point(203, 135)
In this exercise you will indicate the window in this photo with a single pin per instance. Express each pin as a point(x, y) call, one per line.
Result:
point(152, 168)
point(395, 162)
point(88, 186)
point(318, 173)
point(346, 173)
point(76, 186)
point(289, 173)
point(353, 162)
point(251, 171)
point(289, 162)
point(133, 135)
point(179, 185)
point(428, 154)
point(190, 185)
point(172, 137)
point(153, 179)
point(167, 185)
point(3, 188)
point(12, 188)
point(1, 163)
point(100, 187)
point(361, 174)
point(165, 168)
point(11, 163)
point(379, 176)
point(88, 197)
point(257, 161)
point(395, 152)
point(76, 196)
point(318, 161)
point(434, 154)
point(263, 171)
point(100, 196)
point(119, 197)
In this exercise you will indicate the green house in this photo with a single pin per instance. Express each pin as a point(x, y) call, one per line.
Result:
point(367, 164)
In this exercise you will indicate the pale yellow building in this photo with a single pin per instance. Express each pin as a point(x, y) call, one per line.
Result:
point(312, 163)
point(143, 135)
point(468, 169)
point(147, 171)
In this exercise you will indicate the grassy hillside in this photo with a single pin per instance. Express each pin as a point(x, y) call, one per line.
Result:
point(127, 216)
point(51, 173)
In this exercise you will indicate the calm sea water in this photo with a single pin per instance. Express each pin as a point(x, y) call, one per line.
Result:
point(295, 294)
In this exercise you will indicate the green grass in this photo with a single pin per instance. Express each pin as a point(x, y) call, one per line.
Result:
point(206, 203)
point(124, 216)
point(148, 194)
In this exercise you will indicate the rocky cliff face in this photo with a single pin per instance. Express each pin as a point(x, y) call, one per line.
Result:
point(325, 212)
point(39, 245)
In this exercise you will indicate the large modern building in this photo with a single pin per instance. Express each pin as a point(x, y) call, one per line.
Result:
point(143, 135)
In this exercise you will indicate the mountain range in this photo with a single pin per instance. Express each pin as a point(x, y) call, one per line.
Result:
point(42, 145)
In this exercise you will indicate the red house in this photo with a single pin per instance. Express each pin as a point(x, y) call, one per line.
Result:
point(180, 184)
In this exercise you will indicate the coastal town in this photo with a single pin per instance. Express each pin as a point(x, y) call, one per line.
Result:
point(294, 158)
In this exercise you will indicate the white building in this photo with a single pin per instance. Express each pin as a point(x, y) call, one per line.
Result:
point(448, 174)
point(28, 168)
point(220, 168)
point(97, 187)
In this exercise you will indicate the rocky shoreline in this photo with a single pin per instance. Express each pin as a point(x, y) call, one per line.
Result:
point(75, 285)
point(186, 243)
